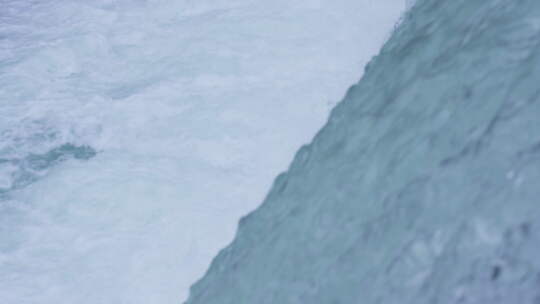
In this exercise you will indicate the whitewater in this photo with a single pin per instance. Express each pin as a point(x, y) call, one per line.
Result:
point(135, 134)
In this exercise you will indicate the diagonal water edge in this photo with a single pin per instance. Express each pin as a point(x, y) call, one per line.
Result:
point(423, 185)
point(134, 134)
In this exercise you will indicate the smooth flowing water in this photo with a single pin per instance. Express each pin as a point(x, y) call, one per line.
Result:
point(424, 185)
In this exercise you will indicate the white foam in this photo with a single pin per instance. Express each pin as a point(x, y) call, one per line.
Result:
point(193, 107)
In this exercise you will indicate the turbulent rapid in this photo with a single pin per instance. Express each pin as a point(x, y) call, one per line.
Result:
point(134, 134)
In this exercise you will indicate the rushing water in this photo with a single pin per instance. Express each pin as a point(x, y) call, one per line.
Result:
point(134, 134)
point(424, 185)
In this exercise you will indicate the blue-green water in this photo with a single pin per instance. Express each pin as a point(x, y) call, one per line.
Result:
point(424, 185)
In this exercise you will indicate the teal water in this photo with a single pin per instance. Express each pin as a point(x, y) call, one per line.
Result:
point(423, 186)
